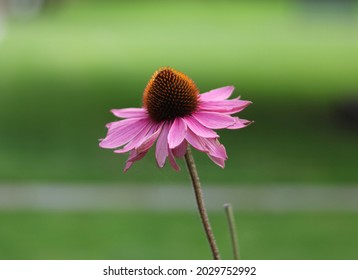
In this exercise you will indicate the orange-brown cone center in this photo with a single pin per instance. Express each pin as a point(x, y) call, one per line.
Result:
point(170, 94)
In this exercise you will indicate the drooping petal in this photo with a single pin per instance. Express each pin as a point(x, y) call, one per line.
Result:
point(210, 146)
point(180, 150)
point(123, 132)
point(195, 141)
point(226, 106)
point(134, 156)
point(239, 123)
point(130, 113)
point(148, 142)
point(214, 148)
point(108, 125)
point(213, 120)
point(121, 123)
point(176, 133)
point(128, 165)
point(199, 129)
point(172, 161)
point(143, 134)
point(161, 151)
point(130, 146)
point(218, 161)
point(217, 94)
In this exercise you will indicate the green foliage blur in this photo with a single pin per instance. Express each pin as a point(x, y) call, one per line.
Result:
point(112, 235)
point(62, 71)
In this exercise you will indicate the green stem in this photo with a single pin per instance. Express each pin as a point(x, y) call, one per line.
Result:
point(232, 229)
point(200, 202)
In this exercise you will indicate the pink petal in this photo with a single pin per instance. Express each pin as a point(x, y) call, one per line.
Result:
point(180, 150)
point(134, 156)
point(121, 123)
point(108, 125)
point(123, 132)
point(213, 120)
point(199, 129)
point(218, 161)
point(149, 141)
point(176, 133)
point(210, 146)
point(128, 165)
point(172, 161)
point(161, 151)
point(226, 106)
point(130, 113)
point(239, 123)
point(126, 148)
point(215, 148)
point(217, 94)
point(138, 139)
point(195, 141)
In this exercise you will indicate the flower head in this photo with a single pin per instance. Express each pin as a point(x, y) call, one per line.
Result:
point(174, 115)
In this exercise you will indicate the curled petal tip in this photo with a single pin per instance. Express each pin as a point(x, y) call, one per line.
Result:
point(128, 165)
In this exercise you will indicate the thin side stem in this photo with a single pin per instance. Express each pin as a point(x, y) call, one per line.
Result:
point(200, 202)
point(232, 228)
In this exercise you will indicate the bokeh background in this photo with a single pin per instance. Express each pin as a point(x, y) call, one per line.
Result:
point(64, 64)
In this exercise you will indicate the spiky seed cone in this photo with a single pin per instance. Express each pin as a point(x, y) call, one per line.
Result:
point(170, 94)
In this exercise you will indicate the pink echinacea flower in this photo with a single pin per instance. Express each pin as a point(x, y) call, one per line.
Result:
point(174, 115)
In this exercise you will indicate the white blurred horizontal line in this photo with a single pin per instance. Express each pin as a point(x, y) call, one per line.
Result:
point(177, 198)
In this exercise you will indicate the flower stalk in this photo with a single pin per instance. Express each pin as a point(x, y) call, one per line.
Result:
point(232, 229)
point(200, 202)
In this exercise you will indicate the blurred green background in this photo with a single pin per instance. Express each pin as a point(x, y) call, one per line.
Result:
point(65, 64)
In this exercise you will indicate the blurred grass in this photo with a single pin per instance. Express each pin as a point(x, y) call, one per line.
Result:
point(110, 235)
point(62, 72)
